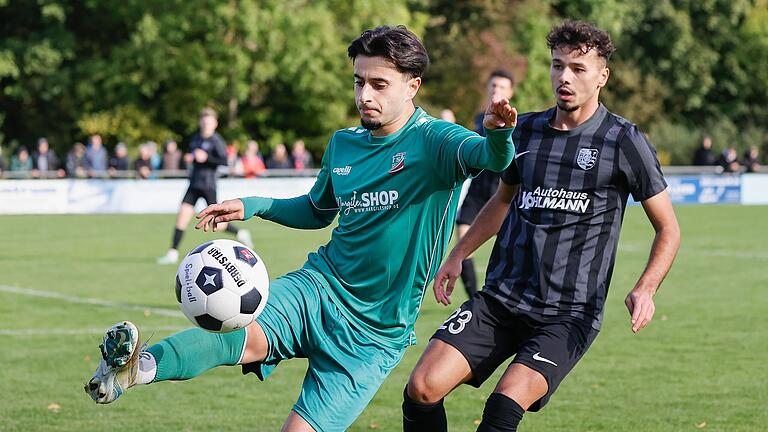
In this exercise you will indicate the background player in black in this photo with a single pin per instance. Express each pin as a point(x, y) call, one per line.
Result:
point(482, 187)
point(552, 261)
point(208, 151)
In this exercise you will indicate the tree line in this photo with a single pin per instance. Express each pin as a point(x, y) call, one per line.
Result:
point(277, 70)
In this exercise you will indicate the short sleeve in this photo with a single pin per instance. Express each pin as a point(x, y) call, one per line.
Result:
point(322, 195)
point(640, 166)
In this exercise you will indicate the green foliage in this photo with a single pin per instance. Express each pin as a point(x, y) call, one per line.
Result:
point(468, 40)
point(272, 69)
point(124, 123)
point(278, 70)
point(685, 68)
point(677, 142)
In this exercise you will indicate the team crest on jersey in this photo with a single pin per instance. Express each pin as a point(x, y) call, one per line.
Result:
point(587, 158)
point(398, 163)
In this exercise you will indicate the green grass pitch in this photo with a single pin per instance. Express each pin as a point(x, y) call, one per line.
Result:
point(701, 365)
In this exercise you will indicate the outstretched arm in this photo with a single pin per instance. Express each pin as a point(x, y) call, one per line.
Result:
point(461, 153)
point(297, 212)
point(639, 302)
point(496, 151)
point(315, 210)
point(300, 212)
point(486, 225)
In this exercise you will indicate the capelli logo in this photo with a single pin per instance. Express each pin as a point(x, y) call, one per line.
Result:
point(342, 171)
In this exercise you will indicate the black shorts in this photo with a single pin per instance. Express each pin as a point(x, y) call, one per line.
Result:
point(487, 333)
point(469, 210)
point(193, 194)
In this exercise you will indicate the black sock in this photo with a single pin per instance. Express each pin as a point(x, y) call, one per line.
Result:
point(501, 414)
point(232, 229)
point(418, 417)
point(177, 238)
point(468, 276)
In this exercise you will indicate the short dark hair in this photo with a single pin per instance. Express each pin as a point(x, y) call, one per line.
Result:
point(501, 73)
point(582, 36)
point(396, 44)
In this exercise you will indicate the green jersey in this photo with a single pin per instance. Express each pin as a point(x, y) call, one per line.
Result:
point(396, 198)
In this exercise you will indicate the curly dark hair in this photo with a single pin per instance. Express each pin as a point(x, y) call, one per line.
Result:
point(396, 44)
point(582, 36)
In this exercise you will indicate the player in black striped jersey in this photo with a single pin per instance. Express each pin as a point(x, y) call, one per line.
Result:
point(559, 208)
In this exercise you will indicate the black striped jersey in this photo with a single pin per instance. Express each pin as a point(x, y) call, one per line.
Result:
point(555, 252)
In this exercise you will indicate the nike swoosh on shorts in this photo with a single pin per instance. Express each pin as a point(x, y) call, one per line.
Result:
point(542, 359)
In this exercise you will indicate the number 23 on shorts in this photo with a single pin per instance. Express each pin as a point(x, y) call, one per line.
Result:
point(456, 323)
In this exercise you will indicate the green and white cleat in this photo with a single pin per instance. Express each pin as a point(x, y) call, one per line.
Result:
point(119, 365)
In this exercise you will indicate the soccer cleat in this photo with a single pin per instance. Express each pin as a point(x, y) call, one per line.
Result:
point(244, 237)
point(171, 257)
point(119, 365)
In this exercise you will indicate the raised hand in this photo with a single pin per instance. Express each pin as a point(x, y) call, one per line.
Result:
point(499, 114)
point(215, 214)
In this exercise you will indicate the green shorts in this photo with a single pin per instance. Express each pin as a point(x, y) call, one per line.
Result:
point(346, 367)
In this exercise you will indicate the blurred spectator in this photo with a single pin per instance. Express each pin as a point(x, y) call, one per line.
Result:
point(77, 162)
point(97, 156)
point(171, 156)
point(232, 159)
point(751, 159)
point(302, 159)
point(154, 155)
point(729, 160)
point(252, 162)
point(120, 161)
point(448, 115)
point(143, 165)
point(704, 154)
point(189, 161)
point(44, 160)
point(279, 158)
point(21, 160)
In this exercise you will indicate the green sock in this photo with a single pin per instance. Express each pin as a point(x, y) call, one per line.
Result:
point(191, 352)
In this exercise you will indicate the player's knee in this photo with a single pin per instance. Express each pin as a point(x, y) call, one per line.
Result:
point(523, 384)
point(422, 388)
point(538, 385)
point(535, 384)
point(256, 344)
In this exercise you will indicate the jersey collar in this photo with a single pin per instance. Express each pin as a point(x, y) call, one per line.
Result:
point(417, 114)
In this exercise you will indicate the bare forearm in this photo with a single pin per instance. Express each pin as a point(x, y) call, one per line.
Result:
point(486, 225)
point(663, 251)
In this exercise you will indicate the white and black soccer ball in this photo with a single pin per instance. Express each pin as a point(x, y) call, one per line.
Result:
point(222, 285)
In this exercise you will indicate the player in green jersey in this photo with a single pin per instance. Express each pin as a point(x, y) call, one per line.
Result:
point(394, 184)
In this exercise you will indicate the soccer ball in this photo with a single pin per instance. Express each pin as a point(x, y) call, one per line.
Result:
point(222, 285)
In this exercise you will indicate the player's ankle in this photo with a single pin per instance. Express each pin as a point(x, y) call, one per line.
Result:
point(147, 368)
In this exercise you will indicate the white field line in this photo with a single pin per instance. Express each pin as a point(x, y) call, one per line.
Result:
point(90, 301)
point(699, 252)
point(73, 332)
